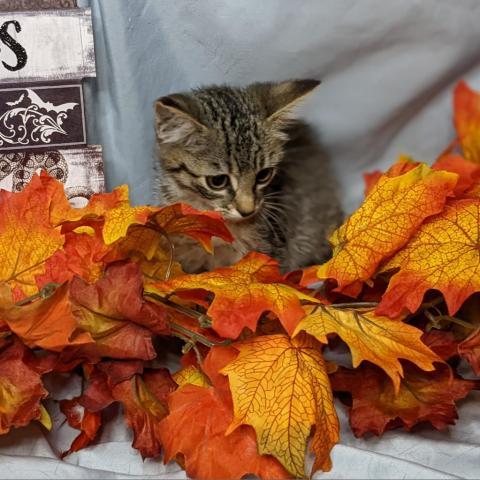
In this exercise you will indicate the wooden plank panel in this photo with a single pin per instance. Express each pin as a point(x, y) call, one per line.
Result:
point(80, 169)
point(46, 45)
point(41, 117)
point(17, 5)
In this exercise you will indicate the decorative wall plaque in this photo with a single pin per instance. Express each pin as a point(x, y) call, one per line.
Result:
point(17, 5)
point(46, 45)
point(43, 116)
point(80, 169)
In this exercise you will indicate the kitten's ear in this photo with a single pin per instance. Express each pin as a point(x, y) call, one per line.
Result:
point(176, 119)
point(280, 98)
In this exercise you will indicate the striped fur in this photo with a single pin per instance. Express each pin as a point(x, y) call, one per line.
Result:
point(240, 132)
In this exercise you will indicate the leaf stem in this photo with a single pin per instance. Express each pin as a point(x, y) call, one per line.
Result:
point(189, 344)
point(198, 337)
point(204, 320)
point(355, 305)
point(45, 292)
point(458, 321)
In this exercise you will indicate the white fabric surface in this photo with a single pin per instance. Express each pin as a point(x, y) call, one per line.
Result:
point(388, 68)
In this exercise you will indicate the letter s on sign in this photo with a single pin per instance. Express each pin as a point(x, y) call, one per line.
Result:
point(10, 42)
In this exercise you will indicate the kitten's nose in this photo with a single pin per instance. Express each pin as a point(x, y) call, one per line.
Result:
point(245, 213)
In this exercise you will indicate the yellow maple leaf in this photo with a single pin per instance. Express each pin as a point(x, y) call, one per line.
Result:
point(389, 216)
point(443, 255)
point(119, 219)
point(27, 239)
point(190, 375)
point(370, 337)
point(281, 388)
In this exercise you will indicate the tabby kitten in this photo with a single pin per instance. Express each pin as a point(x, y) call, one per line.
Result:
point(238, 151)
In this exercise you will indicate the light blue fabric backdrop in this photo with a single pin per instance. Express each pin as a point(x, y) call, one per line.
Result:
point(388, 68)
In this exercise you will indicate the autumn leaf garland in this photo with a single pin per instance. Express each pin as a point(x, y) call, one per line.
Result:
point(92, 289)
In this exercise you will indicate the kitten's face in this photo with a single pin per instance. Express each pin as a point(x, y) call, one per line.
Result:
point(220, 147)
point(216, 174)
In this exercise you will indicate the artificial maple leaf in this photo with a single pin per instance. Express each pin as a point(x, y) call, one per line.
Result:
point(143, 397)
point(119, 219)
point(120, 294)
point(144, 400)
point(113, 309)
point(62, 212)
point(81, 419)
point(102, 380)
point(403, 165)
point(242, 293)
point(466, 106)
point(47, 323)
point(83, 255)
point(149, 249)
point(442, 255)
point(467, 171)
point(384, 223)
point(27, 239)
point(190, 375)
point(280, 387)
point(21, 389)
point(196, 429)
point(370, 337)
point(423, 397)
point(180, 219)
point(444, 344)
point(113, 208)
point(470, 350)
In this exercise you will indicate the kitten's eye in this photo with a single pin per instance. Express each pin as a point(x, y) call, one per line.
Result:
point(265, 175)
point(217, 182)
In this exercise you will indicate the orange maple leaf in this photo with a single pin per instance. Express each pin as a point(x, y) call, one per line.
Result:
point(148, 248)
point(403, 165)
point(423, 397)
point(470, 350)
point(114, 313)
point(370, 337)
point(242, 293)
point(144, 401)
point(280, 387)
point(48, 323)
point(27, 238)
point(81, 419)
point(180, 219)
point(467, 171)
point(21, 388)
point(83, 254)
point(466, 105)
point(384, 223)
point(197, 424)
point(442, 255)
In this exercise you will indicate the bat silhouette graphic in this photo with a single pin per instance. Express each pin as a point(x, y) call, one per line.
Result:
point(49, 106)
point(16, 102)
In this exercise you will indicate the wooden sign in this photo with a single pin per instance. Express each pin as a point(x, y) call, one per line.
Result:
point(46, 45)
point(16, 5)
point(80, 169)
point(43, 116)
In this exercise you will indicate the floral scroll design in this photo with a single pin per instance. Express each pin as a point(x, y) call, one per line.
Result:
point(34, 123)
